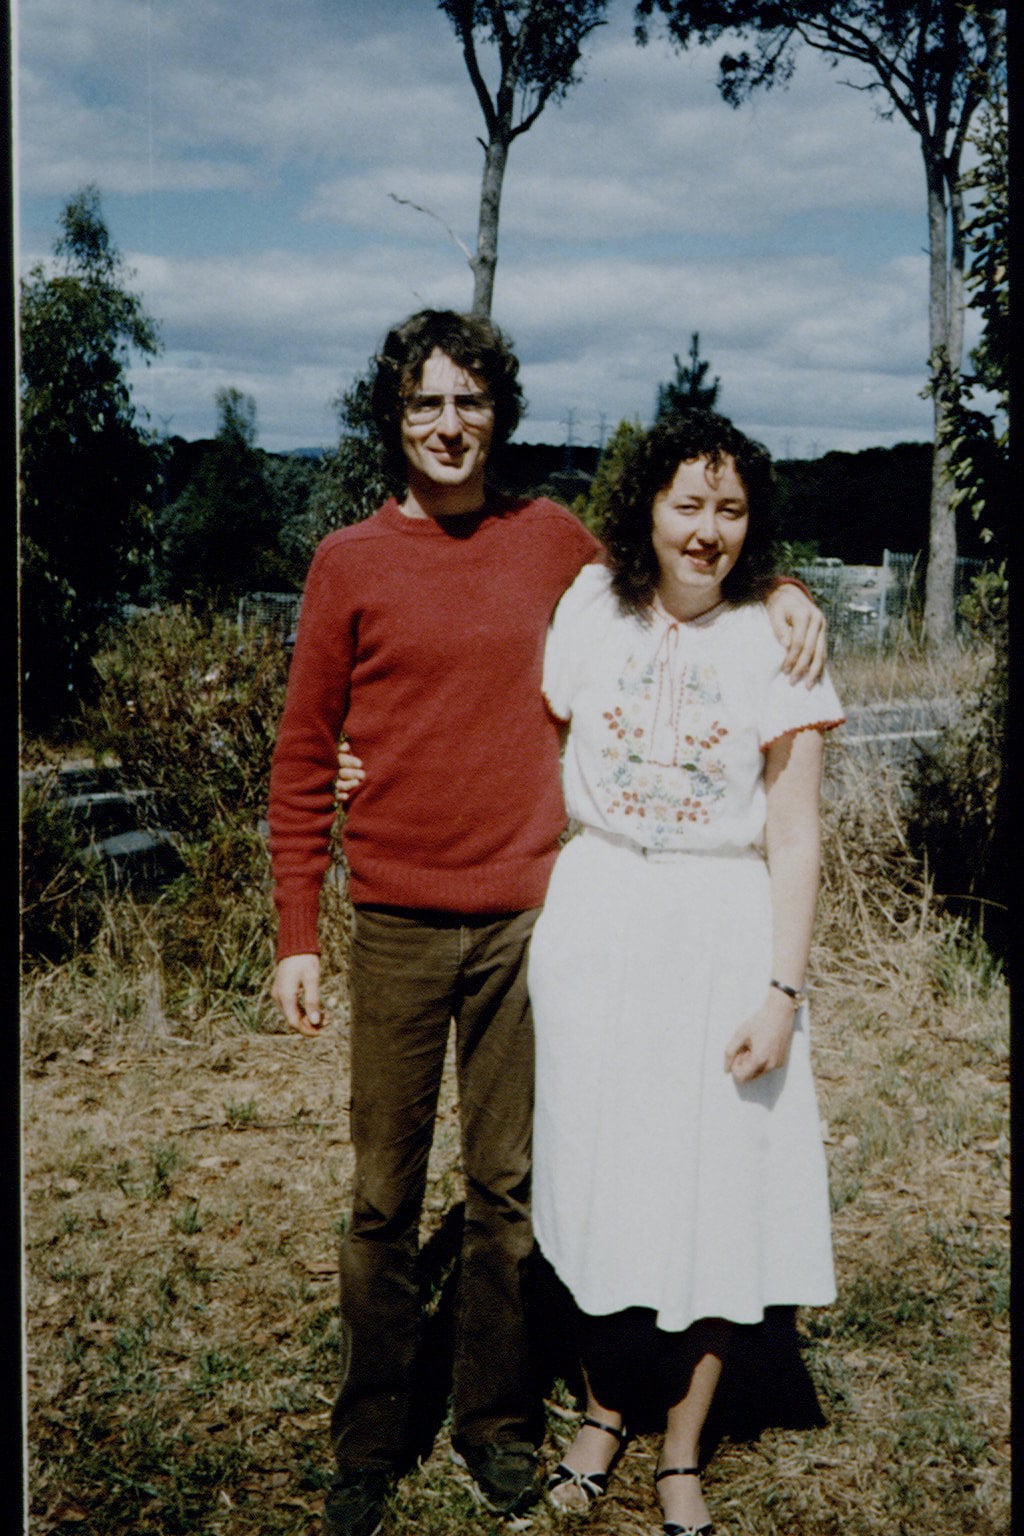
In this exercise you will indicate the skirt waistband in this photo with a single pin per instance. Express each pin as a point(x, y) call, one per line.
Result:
point(670, 855)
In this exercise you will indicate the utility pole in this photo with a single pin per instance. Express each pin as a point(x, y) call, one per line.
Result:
point(569, 421)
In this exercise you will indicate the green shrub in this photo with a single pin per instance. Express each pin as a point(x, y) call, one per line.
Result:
point(189, 707)
point(61, 892)
point(985, 607)
point(215, 921)
point(959, 817)
point(592, 508)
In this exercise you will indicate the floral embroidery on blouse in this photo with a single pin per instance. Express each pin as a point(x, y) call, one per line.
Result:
point(660, 763)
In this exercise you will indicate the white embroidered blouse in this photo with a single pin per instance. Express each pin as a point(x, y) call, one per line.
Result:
point(669, 720)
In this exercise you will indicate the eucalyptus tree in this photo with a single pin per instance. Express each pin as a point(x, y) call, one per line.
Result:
point(88, 463)
point(539, 46)
point(932, 63)
point(220, 535)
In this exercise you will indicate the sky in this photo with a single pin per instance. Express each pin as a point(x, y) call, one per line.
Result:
point(249, 158)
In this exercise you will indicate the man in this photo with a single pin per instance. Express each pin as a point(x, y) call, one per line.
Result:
point(421, 638)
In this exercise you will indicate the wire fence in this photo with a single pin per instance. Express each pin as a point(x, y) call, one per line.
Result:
point(276, 612)
point(875, 606)
point(867, 606)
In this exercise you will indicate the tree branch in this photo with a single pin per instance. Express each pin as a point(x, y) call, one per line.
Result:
point(461, 17)
point(406, 202)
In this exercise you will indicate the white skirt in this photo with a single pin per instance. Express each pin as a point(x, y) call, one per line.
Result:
point(658, 1181)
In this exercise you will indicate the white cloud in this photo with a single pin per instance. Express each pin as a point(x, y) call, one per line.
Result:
point(788, 233)
point(798, 344)
point(203, 82)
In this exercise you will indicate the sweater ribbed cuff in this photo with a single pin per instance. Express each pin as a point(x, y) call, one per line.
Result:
point(297, 930)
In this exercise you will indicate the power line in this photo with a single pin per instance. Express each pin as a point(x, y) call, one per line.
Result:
point(569, 421)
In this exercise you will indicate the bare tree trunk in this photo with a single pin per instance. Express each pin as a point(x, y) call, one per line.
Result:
point(945, 336)
point(940, 585)
point(486, 259)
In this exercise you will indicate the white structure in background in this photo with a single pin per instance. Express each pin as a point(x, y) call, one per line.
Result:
point(861, 602)
point(867, 604)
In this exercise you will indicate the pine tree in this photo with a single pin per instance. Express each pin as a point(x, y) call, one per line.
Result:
point(688, 388)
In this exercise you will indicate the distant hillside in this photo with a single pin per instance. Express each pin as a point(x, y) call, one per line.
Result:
point(855, 505)
point(524, 468)
point(851, 505)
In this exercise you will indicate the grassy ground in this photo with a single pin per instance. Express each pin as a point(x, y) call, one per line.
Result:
point(186, 1182)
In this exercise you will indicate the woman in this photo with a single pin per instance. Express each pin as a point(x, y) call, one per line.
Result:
point(679, 1176)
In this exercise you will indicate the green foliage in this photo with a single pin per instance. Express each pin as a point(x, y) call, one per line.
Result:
point(238, 1116)
point(795, 552)
point(855, 505)
point(978, 438)
point(591, 508)
point(165, 1159)
point(220, 537)
point(986, 608)
point(925, 57)
point(189, 707)
point(236, 416)
point(988, 241)
point(88, 467)
point(292, 482)
point(350, 484)
point(930, 65)
point(214, 924)
point(959, 820)
point(61, 891)
point(541, 38)
point(688, 388)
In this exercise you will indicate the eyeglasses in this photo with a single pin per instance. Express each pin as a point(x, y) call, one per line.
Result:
point(420, 410)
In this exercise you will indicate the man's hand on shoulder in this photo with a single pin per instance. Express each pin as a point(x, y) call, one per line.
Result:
point(800, 626)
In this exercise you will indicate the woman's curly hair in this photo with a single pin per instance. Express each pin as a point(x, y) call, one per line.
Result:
point(650, 467)
point(473, 343)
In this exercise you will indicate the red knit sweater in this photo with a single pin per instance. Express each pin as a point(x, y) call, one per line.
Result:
point(423, 640)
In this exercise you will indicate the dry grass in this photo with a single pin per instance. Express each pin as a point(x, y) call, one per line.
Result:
point(186, 1182)
point(891, 676)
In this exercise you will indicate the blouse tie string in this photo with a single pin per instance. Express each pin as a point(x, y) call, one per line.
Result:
point(668, 699)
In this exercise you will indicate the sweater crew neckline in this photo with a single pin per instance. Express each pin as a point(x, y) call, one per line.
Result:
point(458, 523)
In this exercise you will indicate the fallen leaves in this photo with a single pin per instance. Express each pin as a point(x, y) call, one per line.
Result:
point(64, 1511)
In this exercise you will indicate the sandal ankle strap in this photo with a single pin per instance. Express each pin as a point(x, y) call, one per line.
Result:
point(621, 1435)
point(676, 1472)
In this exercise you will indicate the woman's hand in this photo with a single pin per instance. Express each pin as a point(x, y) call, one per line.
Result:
point(800, 626)
point(350, 774)
point(761, 1044)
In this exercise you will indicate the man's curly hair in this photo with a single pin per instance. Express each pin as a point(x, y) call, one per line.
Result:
point(650, 467)
point(473, 343)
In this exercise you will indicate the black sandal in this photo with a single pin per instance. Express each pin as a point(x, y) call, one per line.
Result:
point(672, 1527)
point(591, 1484)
